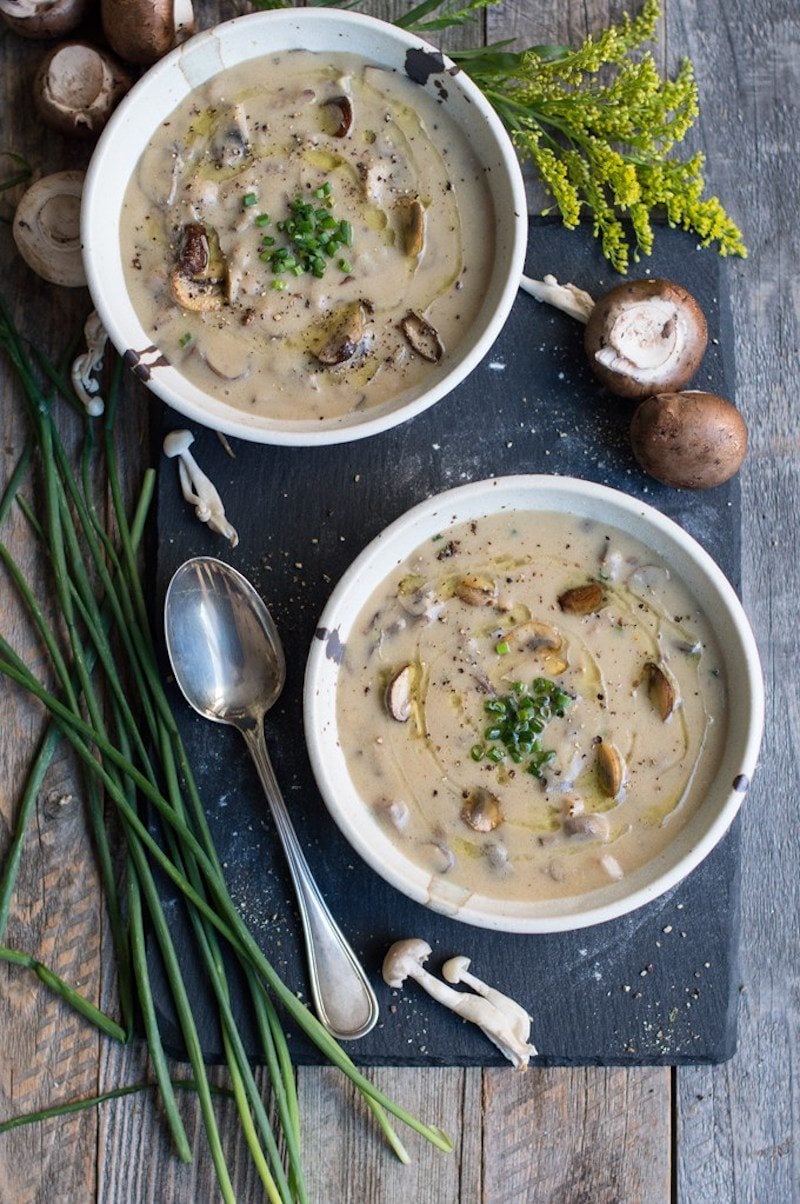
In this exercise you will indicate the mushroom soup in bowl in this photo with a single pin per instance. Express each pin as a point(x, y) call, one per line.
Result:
point(544, 707)
point(316, 243)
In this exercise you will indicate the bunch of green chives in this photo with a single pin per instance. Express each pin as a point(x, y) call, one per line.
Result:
point(118, 722)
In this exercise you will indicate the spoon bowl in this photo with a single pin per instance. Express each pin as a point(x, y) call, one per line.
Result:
point(229, 664)
point(224, 647)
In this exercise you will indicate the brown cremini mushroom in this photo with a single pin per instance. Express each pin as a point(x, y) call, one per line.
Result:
point(77, 88)
point(690, 440)
point(43, 18)
point(645, 337)
point(143, 31)
point(47, 228)
point(347, 339)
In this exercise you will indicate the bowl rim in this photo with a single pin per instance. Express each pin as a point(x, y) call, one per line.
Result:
point(103, 287)
point(749, 682)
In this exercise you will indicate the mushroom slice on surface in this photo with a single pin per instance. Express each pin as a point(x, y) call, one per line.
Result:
point(47, 228)
point(340, 109)
point(77, 88)
point(142, 31)
point(587, 827)
point(197, 295)
point(422, 337)
point(347, 339)
point(44, 18)
point(582, 600)
point(660, 690)
point(481, 810)
point(534, 634)
point(645, 337)
point(196, 487)
point(412, 225)
point(610, 769)
point(406, 959)
point(398, 694)
point(476, 590)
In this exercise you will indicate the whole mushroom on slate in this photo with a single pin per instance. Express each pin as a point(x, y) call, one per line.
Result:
point(690, 440)
point(503, 1025)
point(644, 340)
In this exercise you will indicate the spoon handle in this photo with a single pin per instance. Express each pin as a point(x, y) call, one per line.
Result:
point(343, 997)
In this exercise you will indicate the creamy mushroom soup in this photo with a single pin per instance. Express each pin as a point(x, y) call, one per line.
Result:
point(531, 705)
point(307, 235)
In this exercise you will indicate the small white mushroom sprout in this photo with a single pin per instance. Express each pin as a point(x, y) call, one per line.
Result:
point(567, 297)
point(405, 959)
point(89, 362)
point(196, 487)
point(457, 970)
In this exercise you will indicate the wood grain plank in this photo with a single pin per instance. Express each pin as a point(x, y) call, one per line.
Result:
point(346, 1159)
point(47, 1054)
point(737, 1132)
point(593, 1135)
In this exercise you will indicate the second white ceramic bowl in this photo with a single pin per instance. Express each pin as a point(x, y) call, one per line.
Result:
point(688, 561)
point(152, 100)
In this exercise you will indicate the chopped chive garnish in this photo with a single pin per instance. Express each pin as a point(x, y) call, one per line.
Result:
point(249, 199)
point(503, 648)
point(519, 718)
point(477, 752)
point(279, 284)
point(314, 236)
point(185, 339)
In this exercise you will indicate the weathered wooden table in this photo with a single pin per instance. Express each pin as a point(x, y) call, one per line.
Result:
point(728, 1133)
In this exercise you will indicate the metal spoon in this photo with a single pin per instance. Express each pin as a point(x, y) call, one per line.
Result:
point(228, 661)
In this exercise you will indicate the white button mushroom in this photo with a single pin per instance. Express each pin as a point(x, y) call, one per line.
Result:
point(77, 88)
point(196, 487)
point(47, 228)
point(405, 959)
point(91, 361)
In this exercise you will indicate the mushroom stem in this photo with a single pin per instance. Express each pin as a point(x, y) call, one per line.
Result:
point(196, 487)
point(91, 361)
point(457, 970)
point(566, 297)
point(405, 960)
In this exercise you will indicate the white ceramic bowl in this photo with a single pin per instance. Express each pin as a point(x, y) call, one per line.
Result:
point(166, 85)
point(689, 562)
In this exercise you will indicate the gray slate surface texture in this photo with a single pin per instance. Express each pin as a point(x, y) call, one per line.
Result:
point(626, 992)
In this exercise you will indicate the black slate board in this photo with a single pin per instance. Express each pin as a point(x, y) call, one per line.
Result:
point(656, 987)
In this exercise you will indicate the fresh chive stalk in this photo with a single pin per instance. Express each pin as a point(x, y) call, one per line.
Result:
point(129, 756)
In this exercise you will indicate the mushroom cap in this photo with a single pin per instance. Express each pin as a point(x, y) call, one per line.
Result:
point(177, 442)
point(403, 958)
point(47, 228)
point(77, 88)
point(43, 18)
point(690, 440)
point(143, 31)
point(454, 969)
point(645, 337)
